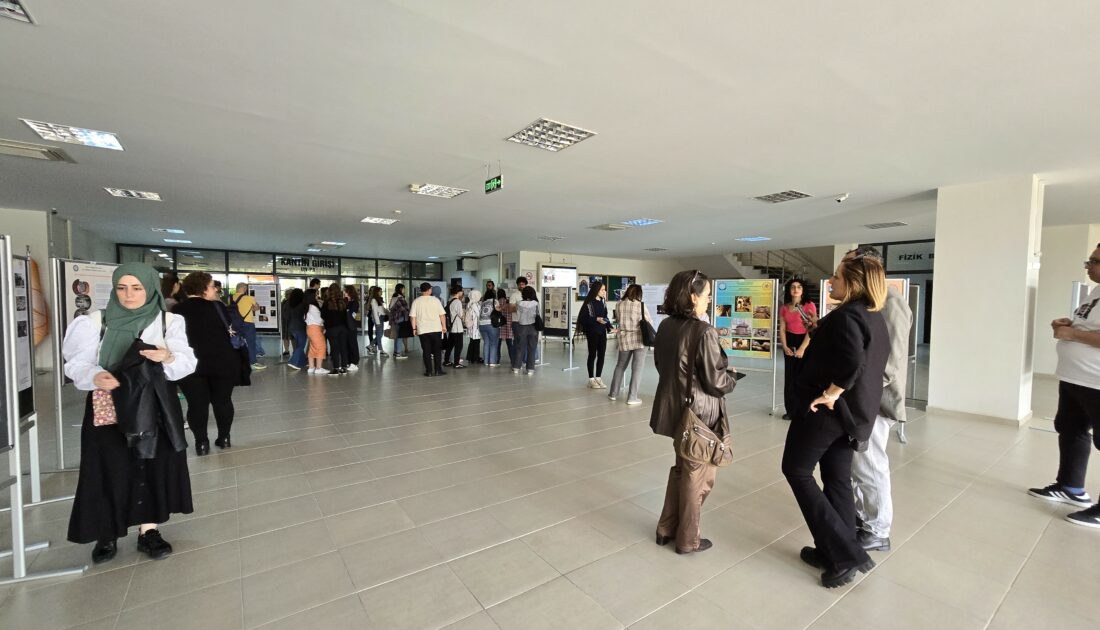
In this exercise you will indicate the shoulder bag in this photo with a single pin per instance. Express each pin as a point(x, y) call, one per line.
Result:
point(696, 442)
point(649, 333)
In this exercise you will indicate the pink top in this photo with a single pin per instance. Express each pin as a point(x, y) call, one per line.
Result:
point(794, 318)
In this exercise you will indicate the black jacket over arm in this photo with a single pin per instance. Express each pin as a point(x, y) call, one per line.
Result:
point(849, 350)
point(207, 334)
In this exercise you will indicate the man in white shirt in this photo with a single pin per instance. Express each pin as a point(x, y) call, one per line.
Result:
point(1078, 402)
point(428, 322)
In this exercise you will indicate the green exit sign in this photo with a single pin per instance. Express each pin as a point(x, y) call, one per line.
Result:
point(494, 184)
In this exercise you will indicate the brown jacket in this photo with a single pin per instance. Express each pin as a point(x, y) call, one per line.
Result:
point(712, 381)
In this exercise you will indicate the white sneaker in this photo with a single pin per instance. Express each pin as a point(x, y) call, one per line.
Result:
point(530, 372)
point(320, 371)
point(353, 368)
point(612, 397)
point(599, 381)
point(515, 370)
point(292, 366)
point(593, 384)
point(311, 371)
point(634, 401)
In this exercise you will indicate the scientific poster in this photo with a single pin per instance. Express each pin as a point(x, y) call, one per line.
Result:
point(267, 299)
point(617, 285)
point(653, 296)
point(557, 276)
point(556, 314)
point(899, 285)
point(86, 287)
point(23, 347)
point(585, 281)
point(743, 316)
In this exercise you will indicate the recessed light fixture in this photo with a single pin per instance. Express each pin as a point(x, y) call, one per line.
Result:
point(134, 194)
point(334, 243)
point(880, 226)
point(74, 135)
point(379, 221)
point(754, 239)
point(177, 240)
point(15, 10)
point(641, 222)
point(163, 255)
point(780, 197)
point(550, 135)
point(33, 151)
point(168, 230)
point(433, 257)
point(436, 190)
point(315, 249)
point(551, 238)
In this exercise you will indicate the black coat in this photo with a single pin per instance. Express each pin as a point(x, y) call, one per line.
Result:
point(148, 408)
point(849, 349)
point(586, 319)
point(208, 337)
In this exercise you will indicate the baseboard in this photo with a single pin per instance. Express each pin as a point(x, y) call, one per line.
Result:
point(983, 418)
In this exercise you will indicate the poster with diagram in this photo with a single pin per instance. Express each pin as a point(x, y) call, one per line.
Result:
point(743, 317)
point(267, 299)
point(86, 287)
point(617, 286)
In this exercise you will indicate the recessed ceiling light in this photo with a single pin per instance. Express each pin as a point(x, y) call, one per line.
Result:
point(780, 197)
point(133, 194)
point(642, 222)
point(551, 238)
point(334, 243)
point(168, 230)
point(163, 255)
point(314, 249)
point(33, 151)
point(436, 190)
point(433, 257)
point(550, 135)
point(74, 135)
point(754, 239)
point(155, 251)
point(14, 9)
point(379, 221)
point(177, 240)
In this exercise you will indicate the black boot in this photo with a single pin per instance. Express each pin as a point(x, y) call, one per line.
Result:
point(202, 447)
point(222, 442)
point(105, 551)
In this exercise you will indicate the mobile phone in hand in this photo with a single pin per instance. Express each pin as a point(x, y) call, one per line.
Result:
point(739, 375)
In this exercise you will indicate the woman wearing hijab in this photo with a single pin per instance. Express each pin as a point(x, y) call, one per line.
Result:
point(121, 486)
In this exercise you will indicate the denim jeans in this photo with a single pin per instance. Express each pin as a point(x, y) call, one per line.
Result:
point(399, 344)
point(527, 339)
point(635, 359)
point(249, 332)
point(492, 343)
point(376, 341)
point(301, 342)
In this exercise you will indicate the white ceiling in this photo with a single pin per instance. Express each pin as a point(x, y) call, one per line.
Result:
point(266, 130)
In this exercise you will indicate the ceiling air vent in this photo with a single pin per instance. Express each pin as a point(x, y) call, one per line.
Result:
point(33, 151)
point(551, 238)
point(780, 197)
point(882, 226)
point(656, 249)
point(610, 227)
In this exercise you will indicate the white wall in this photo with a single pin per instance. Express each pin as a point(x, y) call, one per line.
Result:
point(646, 271)
point(1065, 247)
point(28, 228)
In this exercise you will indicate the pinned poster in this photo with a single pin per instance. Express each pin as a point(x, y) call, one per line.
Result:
point(85, 287)
point(653, 296)
point(24, 330)
point(898, 285)
point(267, 299)
point(743, 317)
point(557, 312)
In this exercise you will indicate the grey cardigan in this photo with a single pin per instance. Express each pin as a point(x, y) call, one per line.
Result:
point(899, 319)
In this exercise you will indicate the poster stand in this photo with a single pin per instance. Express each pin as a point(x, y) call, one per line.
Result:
point(364, 298)
point(720, 320)
point(557, 316)
point(15, 425)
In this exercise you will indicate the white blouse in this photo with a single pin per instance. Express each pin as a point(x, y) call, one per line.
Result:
point(81, 348)
point(313, 316)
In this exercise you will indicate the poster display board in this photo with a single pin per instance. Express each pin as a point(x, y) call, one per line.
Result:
point(898, 285)
point(24, 349)
point(653, 296)
point(267, 299)
point(557, 276)
point(744, 318)
point(617, 285)
point(8, 410)
point(557, 311)
point(85, 287)
point(585, 281)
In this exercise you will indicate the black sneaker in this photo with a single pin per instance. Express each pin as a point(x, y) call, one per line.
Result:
point(151, 544)
point(1056, 492)
point(105, 551)
point(1088, 518)
point(870, 542)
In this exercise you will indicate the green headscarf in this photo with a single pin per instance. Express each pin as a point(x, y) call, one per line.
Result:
point(123, 324)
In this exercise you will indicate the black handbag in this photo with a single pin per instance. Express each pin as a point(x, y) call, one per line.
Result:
point(649, 333)
point(539, 325)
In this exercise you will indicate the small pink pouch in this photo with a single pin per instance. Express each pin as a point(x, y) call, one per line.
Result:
point(103, 408)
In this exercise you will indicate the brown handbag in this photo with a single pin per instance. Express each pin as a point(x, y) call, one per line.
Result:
point(697, 442)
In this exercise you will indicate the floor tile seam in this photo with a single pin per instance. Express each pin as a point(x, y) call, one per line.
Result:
point(297, 612)
point(159, 599)
point(473, 401)
point(38, 586)
point(1019, 572)
point(485, 608)
point(471, 415)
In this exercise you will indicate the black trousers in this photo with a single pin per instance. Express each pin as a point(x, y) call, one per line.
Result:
point(791, 366)
point(202, 392)
point(337, 346)
point(815, 438)
point(370, 329)
point(352, 346)
point(597, 348)
point(1078, 412)
point(473, 354)
point(452, 347)
point(432, 346)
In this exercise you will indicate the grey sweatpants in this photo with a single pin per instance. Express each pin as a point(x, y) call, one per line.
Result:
point(871, 481)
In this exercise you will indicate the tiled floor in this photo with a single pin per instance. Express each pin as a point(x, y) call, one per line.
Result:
point(488, 500)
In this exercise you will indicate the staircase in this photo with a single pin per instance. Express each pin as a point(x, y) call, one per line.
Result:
point(781, 265)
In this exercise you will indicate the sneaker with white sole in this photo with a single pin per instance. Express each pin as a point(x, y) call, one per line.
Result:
point(599, 381)
point(515, 370)
point(259, 366)
point(612, 397)
point(292, 366)
point(1088, 518)
point(353, 368)
point(634, 401)
point(311, 371)
point(320, 371)
point(1057, 492)
point(593, 384)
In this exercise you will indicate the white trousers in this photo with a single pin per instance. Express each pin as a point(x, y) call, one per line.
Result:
point(871, 481)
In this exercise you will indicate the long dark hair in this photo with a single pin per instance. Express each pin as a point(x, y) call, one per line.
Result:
point(593, 293)
point(678, 296)
point(376, 295)
point(311, 298)
point(334, 299)
point(296, 298)
point(353, 295)
point(528, 293)
point(399, 289)
point(787, 298)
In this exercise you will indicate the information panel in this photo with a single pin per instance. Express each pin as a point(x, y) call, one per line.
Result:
point(24, 348)
point(557, 276)
point(7, 321)
point(898, 285)
point(267, 299)
point(85, 287)
point(653, 296)
point(556, 311)
point(617, 286)
point(744, 318)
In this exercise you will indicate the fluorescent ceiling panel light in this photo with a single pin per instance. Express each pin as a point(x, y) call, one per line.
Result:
point(155, 251)
point(436, 190)
point(550, 135)
point(34, 151)
point(379, 221)
point(433, 257)
point(177, 240)
point(334, 243)
point(14, 9)
point(780, 197)
point(74, 135)
point(134, 194)
point(314, 250)
point(551, 238)
point(168, 230)
point(881, 226)
point(610, 227)
point(467, 253)
point(754, 239)
point(642, 222)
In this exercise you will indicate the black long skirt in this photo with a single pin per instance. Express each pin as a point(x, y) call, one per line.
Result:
point(117, 490)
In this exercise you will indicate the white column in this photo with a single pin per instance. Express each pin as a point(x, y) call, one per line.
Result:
point(839, 251)
point(983, 308)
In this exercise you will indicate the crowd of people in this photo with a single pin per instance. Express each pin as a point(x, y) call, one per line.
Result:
point(844, 391)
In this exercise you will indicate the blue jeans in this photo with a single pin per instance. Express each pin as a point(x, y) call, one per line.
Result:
point(301, 342)
point(491, 343)
point(249, 332)
point(379, 330)
point(400, 343)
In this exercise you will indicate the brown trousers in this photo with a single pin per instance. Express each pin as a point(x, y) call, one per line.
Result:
point(688, 486)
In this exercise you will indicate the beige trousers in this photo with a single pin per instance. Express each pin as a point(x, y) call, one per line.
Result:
point(688, 486)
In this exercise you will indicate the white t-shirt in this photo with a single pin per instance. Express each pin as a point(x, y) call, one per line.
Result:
point(1079, 363)
point(313, 316)
point(426, 310)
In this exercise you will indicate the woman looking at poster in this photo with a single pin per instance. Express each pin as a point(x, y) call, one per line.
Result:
point(629, 314)
point(593, 320)
point(334, 313)
point(796, 320)
point(122, 485)
point(400, 323)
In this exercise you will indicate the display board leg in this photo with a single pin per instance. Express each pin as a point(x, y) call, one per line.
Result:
point(570, 353)
point(901, 433)
point(542, 362)
point(32, 457)
point(775, 348)
point(28, 548)
point(58, 359)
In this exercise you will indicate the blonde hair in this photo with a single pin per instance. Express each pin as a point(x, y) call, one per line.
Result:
point(864, 278)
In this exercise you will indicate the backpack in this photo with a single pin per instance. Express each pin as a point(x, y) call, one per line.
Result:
point(450, 320)
point(236, 320)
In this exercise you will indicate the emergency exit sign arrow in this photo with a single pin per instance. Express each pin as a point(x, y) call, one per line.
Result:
point(493, 184)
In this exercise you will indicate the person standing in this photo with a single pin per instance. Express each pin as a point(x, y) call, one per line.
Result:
point(429, 320)
point(1078, 402)
point(121, 486)
point(172, 290)
point(630, 313)
point(839, 390)
point(372, 347)
point(351, 296)
point(490, 334)
point(456, 327)
point(284, 323)
point(378, 316)
point(593, 321)
point(247, 308)
point(334, 314)
point(796, 319)
point(315, 331)
point(470, 318)
point(295, 311)
point(693, 371)
point(513, 306)
point(871, 468)
point(219, 368)
point(399, 322)
point(505, 329)
point(526, 335)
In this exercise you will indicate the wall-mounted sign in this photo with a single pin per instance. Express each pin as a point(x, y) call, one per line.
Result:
point(308, 264)
point(494, 184)
point(901, 257)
